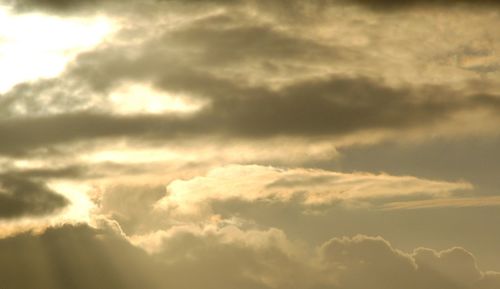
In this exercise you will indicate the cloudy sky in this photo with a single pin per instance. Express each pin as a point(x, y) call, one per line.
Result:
point(249, 144)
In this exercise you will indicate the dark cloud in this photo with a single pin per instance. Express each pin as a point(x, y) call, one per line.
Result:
point(207, 57)
point(317, 108)
point(21, 196)
point(278, 7)
point(225, 40)
point(39, 132)
point(389, 5)
point(69, 172)
point(83, 257)
point(59, 95)
point(384, 267)
point(74, 257)
point(79, 7)
point(333, 106)
point(204, 59)
point(72, 7)
point(56, 6)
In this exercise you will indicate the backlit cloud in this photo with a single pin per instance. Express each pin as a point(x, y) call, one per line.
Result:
point(323, 144)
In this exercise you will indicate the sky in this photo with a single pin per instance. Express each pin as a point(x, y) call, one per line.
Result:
point(250, 144)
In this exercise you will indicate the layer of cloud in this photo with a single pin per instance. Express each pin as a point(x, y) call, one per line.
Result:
point(21, 196)
point(317, 108)
point(281, 87)
point(73, 257)
point(73, 6)
point(372, 262)
point(228, 257)
point(443, 203)
point(388, 5)
point(311, 187)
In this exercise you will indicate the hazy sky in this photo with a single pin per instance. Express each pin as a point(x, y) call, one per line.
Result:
point(260, 144)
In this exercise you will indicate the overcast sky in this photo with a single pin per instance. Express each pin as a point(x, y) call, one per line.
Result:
point(259, 144)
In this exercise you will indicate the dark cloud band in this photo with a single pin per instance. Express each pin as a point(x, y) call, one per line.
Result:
point(317, 108)
point(25, 197)
point(290, 7)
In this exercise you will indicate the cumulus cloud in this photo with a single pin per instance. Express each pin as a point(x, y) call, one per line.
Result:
point(269, 260)
point(228, 256)
point(225, 256)
point(382, 266)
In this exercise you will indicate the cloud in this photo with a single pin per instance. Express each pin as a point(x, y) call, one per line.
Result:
point(59, 6)
point(131, 207)
point(66, 172)
point(455, 264)
point(281, 83)
point(223, 40)
point(228, 257)
point(329, 107)
point(225, 256)
point(74, 257)
point(492, 201)
point(365, 261)
point(310, 187)
point(372, 262)
point(291, 7)
point(260, 80)
point(21, 196)
point(390, 5)
point(266, 259)
point(85, 257)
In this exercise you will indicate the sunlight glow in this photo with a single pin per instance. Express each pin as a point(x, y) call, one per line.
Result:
point(140, 98)
point(136, 156)
point(35, 45)
point(78, 211)
point(81, 206)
